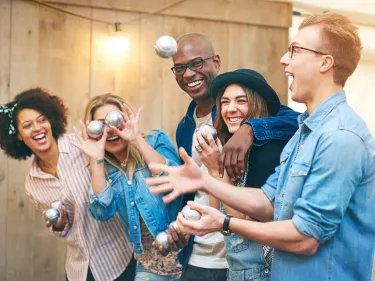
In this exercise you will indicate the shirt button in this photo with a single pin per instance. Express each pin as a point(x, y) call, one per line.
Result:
point(266, 271)
point(134, 227)
point(110, 181)
point(293, 171)
point(301, 145)
point(132, 204)
point(129, 182)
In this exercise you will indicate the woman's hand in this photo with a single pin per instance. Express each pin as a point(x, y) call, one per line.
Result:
point(93, 148)
point(61, 222)
point(210, 152)
point(129, 128)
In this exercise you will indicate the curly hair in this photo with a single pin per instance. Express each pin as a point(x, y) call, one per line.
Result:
point(52, 107)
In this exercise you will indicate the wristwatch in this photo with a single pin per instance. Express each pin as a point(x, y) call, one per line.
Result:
point(225, 231)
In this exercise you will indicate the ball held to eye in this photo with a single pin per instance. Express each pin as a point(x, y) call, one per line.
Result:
point(52, 215)
point(113, 118)
point(95, 129)
point(204, 129)
point(165, 46)
point(190, 214)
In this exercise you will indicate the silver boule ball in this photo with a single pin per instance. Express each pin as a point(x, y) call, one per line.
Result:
point(190, 214)
point(174, 224)
point(204, 129)
point(52, 215)
point(95, 129)
point(57, 203)
point(162, 240)
point(166, 46)
point(113, 118)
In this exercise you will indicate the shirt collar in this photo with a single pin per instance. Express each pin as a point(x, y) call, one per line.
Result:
point(313, 120)
point(63, 147)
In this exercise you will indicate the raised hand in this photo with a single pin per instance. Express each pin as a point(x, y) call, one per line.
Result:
point(210, 153)
point(180, 180)
point(129, 128)
point(94, 149)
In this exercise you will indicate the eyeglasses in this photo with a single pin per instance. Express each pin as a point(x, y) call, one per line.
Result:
point(293, 47)
point(195, 64)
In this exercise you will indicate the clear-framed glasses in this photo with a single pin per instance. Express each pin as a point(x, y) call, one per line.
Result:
point(195, 64)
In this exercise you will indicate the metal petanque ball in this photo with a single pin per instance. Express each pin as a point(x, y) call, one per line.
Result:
point(190, 214)
point(174, 224)
point(162, 240)
point(52, 215)
point(113, 118)
point(57, 203)
point(208, 128)
point(95, 129)
point(166, 46)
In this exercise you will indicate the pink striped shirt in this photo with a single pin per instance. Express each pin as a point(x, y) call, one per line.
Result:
point(101, 245)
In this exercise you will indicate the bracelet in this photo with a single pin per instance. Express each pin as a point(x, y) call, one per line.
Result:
point(99, 161)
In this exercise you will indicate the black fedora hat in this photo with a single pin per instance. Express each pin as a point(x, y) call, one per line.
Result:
point(250, 79)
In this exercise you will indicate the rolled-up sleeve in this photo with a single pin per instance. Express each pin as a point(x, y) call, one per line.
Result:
point(335, 173)
point(279, 127)
point(102, 206)
point(269, 188)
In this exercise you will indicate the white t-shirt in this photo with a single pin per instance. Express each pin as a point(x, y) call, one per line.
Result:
point(209, 249)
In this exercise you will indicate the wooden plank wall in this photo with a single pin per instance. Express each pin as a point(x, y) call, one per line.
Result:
point(42, 47)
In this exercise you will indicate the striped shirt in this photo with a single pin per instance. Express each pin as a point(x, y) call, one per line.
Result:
point(101, 245)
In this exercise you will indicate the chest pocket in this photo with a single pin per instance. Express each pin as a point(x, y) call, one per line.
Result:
point(292, 190)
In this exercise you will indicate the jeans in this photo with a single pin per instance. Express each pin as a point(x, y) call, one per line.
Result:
point(143, 274)
point(193, 273)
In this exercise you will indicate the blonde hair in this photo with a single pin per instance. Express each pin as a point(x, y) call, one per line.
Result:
point(257, 109)
point(340, 40)
point(134, 156)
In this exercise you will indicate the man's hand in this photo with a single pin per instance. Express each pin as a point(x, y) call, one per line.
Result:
point(234, 152)
point(212, 220)
point(183, 179)
point(176, 240)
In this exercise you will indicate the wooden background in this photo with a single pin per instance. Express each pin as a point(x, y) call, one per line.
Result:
point(65, 54)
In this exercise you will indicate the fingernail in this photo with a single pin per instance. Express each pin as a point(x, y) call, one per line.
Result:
point(242, 171)
point(232, 179)
point(238, 177)
point(221, 175)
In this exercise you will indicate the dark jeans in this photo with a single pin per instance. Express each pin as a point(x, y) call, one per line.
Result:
point(127, 275)
point(193, 273)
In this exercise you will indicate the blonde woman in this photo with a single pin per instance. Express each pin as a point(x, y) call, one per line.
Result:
point(119, 165)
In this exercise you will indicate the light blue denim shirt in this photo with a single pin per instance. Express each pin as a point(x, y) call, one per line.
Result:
point(325, 184)
point(132, 199)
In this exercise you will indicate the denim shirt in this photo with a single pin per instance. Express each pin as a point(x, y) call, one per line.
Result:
point(325, 185)
point(280, 127)
point(132, 198)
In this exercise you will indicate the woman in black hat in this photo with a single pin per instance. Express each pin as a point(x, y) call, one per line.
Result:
point(242, 95)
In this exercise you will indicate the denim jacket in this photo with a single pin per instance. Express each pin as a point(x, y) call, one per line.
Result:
point(280, 127)
point(325, 184)
point(132, 198)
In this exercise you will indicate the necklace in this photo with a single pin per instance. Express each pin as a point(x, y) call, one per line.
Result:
point(124, 163)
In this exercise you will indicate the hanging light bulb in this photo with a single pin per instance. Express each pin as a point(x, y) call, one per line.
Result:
point(118, 44)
